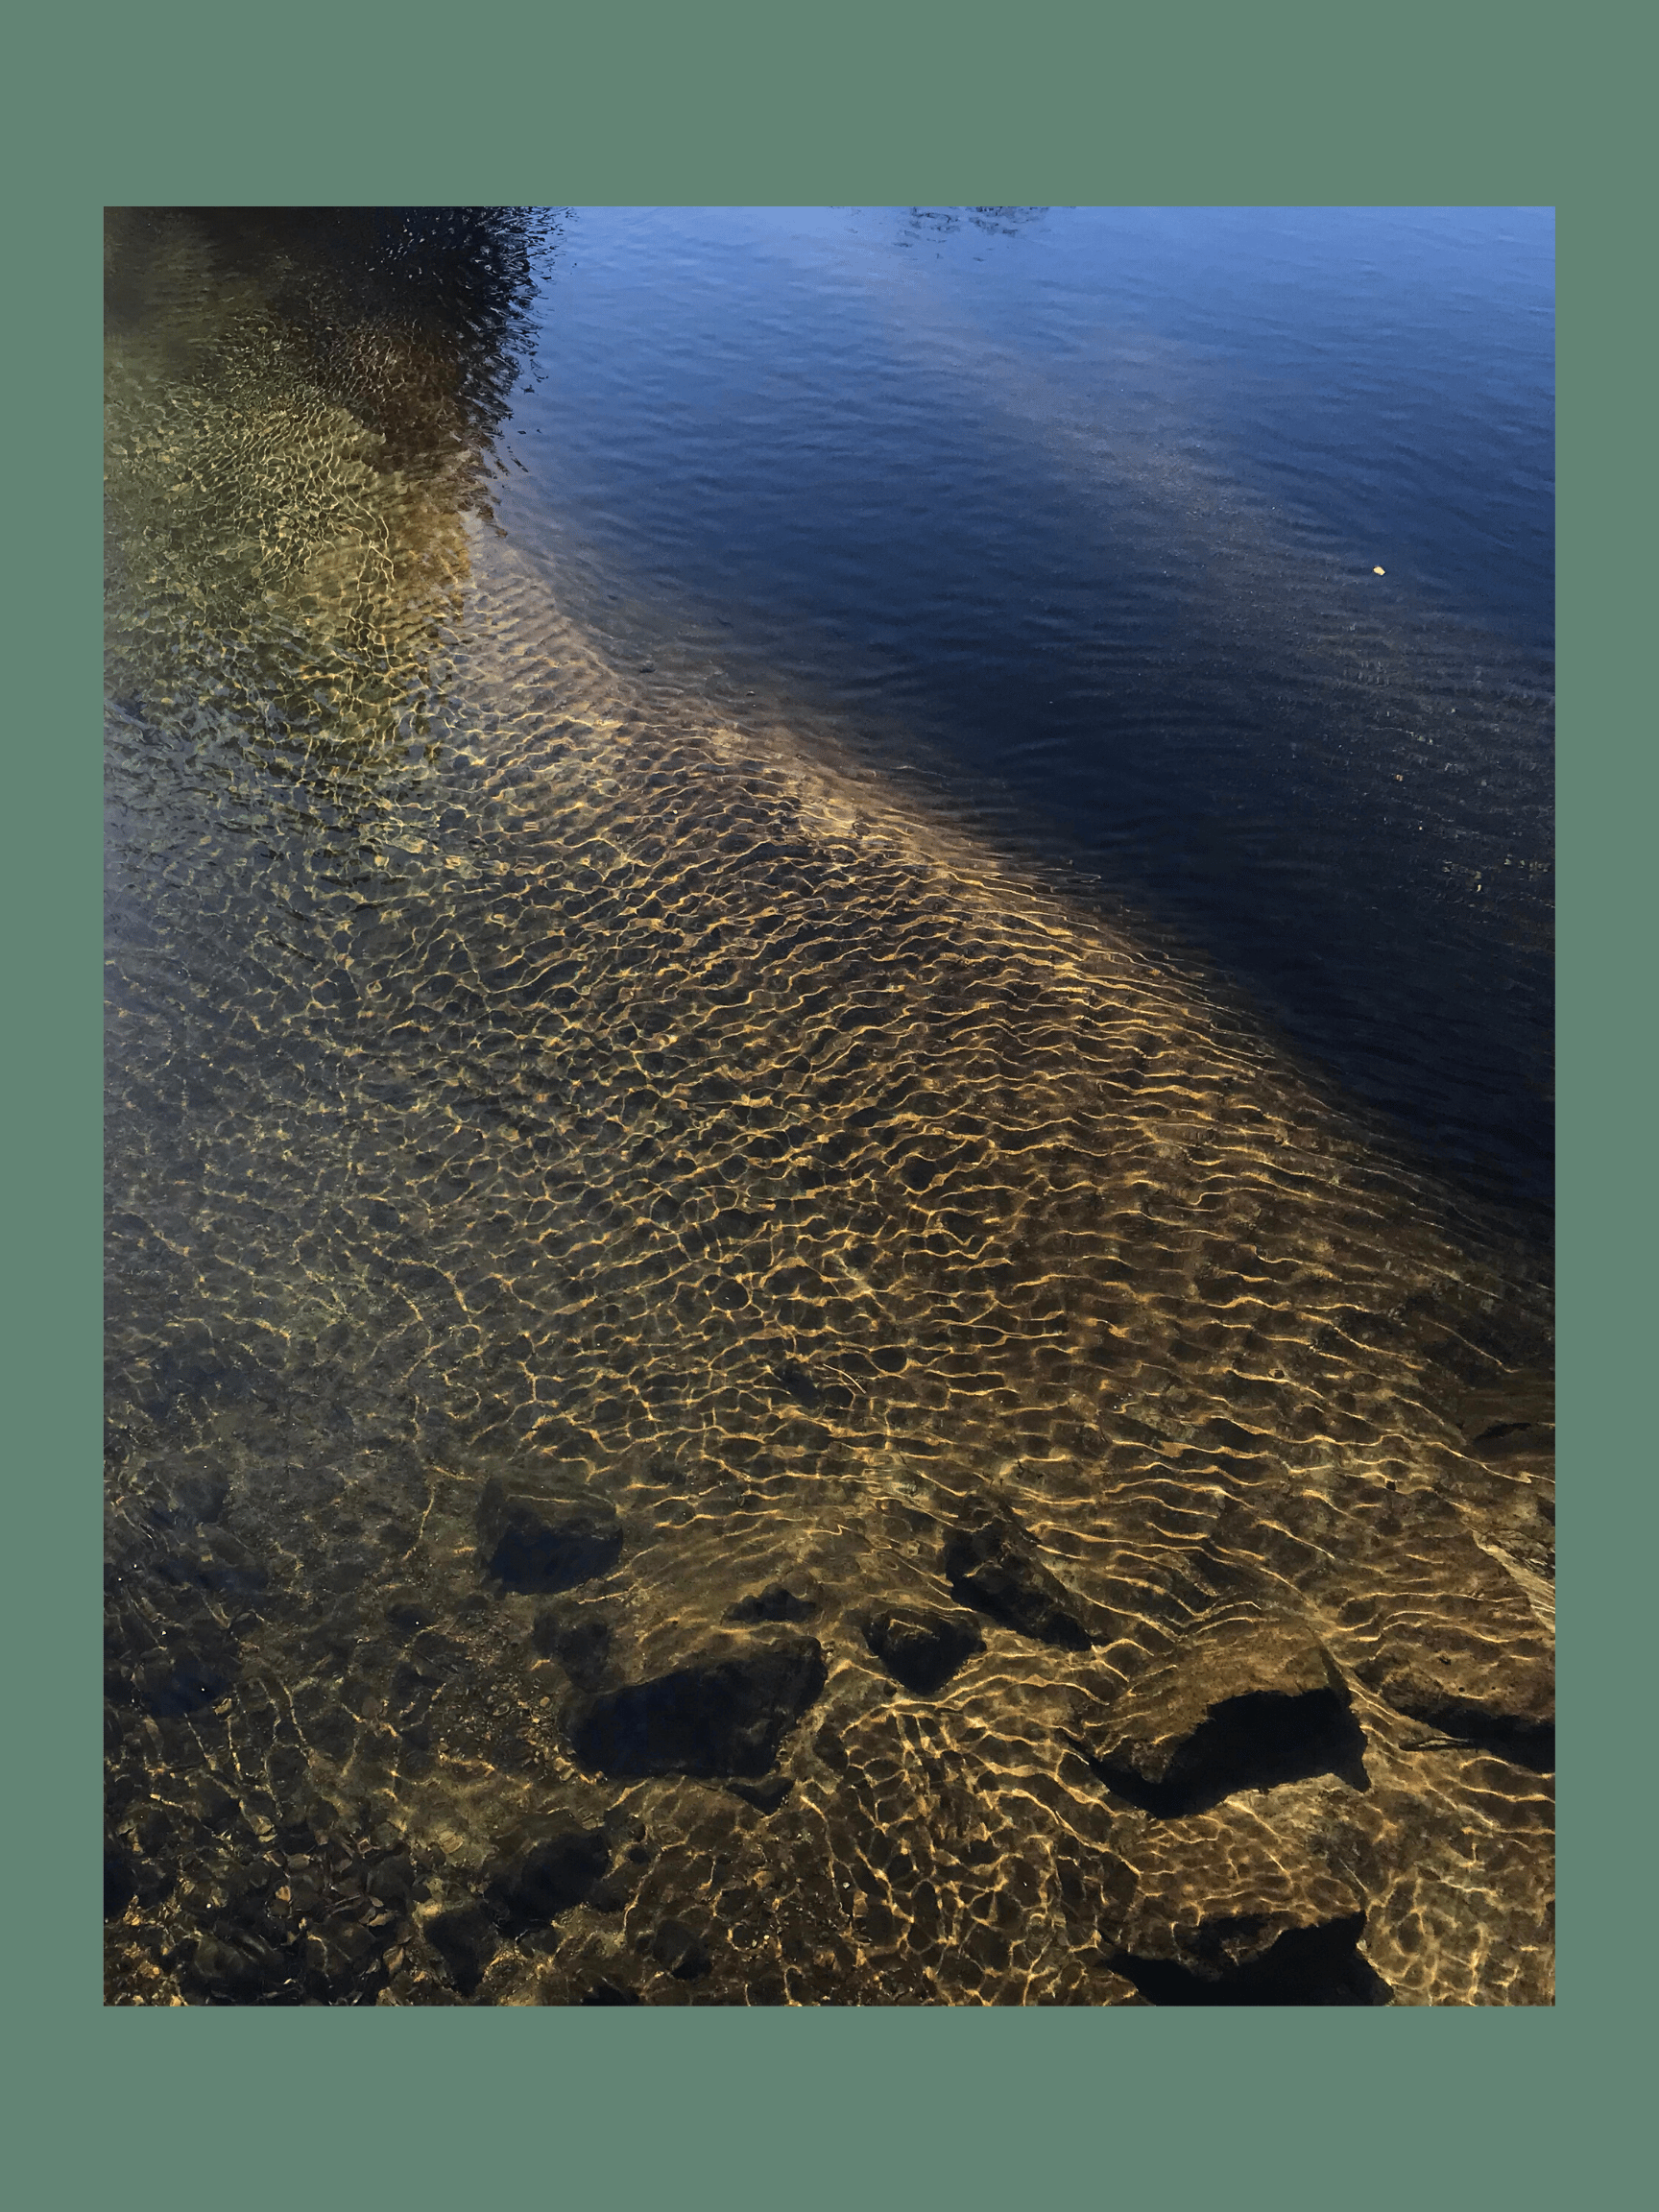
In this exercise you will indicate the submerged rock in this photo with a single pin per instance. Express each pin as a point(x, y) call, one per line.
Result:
point(564, 1871)
point(1319, 1965)
point(1497, 1699)
point(1249, 1703)
point(721, 1716)
point(581, 1643)
point(681, 1951)
point(766, 1797)
point(994, 1568)
point(466, 1939)
point(532, 1543)
point(922, 1650)
point(776, 1602)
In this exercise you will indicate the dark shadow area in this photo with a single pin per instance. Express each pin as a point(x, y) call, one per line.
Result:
point(776, 1602)
point(1528, 1743)
point(1255, 1741)
point(466, 1940)
point(564, 1871)
point(581, 1645)
point(544, 1544)
point(994, 1569)
point(921, 1650)
point(681, 1951)
point(1318, 1965)
point(120, 1880)
point(766, 1797)
point(726, 1718)
point(186, 1681)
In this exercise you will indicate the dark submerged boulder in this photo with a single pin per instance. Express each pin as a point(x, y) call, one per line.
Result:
point(552, 1877)
point(922, 1650)
point(540, 1543)
point(775, 1603)
point(680, 1951)
point(994, 1568)
point(466, 1940)
point(720, 1715)
point(581, 1643)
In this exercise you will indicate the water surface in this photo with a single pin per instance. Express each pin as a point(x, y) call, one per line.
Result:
point(826, 1087)
point(1086, 504)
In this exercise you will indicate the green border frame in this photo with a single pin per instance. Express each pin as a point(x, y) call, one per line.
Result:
point(646, 102)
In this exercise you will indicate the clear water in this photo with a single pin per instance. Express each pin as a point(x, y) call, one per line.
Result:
point(827, 1126)
point(1087, 502)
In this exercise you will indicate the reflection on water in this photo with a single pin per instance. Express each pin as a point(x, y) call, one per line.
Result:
point(726, 1386)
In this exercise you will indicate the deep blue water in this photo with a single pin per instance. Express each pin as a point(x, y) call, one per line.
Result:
point(1083, 505)
point(797, 403)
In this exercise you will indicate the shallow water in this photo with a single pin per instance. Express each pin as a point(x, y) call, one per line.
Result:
point(785, 1323)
